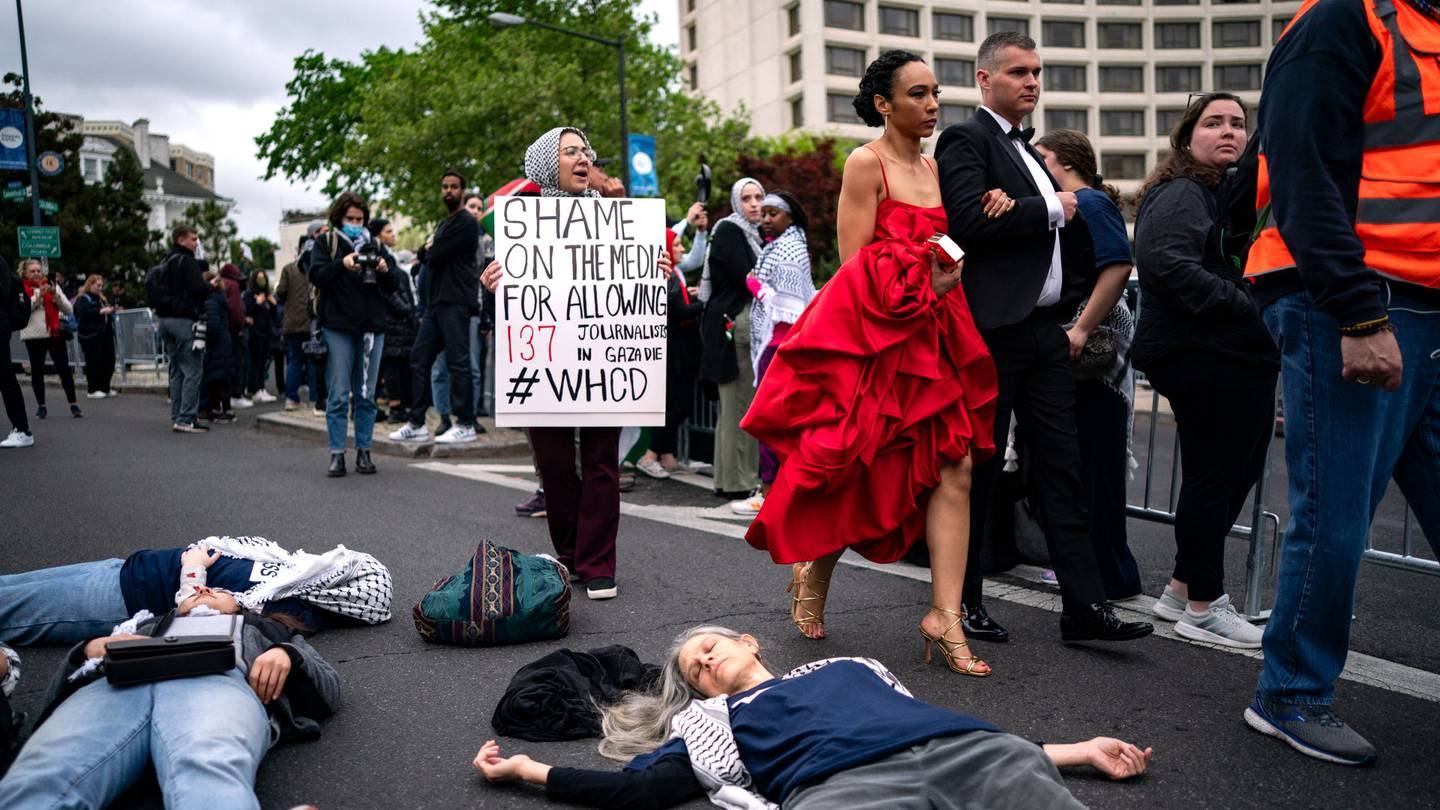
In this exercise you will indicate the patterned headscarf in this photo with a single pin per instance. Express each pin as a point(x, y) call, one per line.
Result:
point(750, 229)
point(542, 163)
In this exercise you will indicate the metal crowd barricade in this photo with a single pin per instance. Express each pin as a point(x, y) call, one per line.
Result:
point(704, 414)
point(137, 340)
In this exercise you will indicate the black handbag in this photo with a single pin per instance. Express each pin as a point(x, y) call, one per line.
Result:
point(175, 654)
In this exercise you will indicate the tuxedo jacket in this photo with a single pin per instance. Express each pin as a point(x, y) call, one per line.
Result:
point(1006, 259)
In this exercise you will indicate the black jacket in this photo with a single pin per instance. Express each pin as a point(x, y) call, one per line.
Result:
point(262, 317)
point(1008, 258)
point(401, 318)
point(187, 278)
point(453, 268)
point(731, 260)
point(1191, 296)
point(682, 335)
point(346, 303)
point(219, 342)
point(11, 290)
point(92, 324)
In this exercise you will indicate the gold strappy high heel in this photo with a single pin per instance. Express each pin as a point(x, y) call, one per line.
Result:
point(800, 614)
point(949, 648)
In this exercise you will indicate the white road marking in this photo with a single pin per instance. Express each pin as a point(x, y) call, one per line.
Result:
point(1359, 667)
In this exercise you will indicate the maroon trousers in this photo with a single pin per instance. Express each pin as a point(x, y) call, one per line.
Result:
point(583, 512)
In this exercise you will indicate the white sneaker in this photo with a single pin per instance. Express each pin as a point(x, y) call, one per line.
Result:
point(263, 396)
point(748, 506)
point(1169, 606)
point(241, 402)
point(112, 393)
point(18, 439)
point(410, 433)
point(95, 395)
point(652, 468)
point(457, 434)
point(1222, 625)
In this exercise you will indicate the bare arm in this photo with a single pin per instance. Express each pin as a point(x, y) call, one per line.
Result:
point(1116, 759)
point(859, 199)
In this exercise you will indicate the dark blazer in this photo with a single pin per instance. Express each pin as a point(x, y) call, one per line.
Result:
point(1008, 258)
point(731, 259)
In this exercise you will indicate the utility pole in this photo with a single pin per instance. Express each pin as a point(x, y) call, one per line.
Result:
point(29, 118)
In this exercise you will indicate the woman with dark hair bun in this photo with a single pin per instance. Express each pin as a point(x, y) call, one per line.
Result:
point(883, 391)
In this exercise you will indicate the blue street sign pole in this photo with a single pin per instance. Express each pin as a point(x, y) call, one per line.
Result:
point(29, 117)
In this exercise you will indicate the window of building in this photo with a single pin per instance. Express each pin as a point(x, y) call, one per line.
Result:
point(1237, 77)
point(953, 113)
point(797, 69)
point(1165, 121)
point(1277, 27)
point(995, 25)
point(1177, 79)
point(1063, 33)
point(1064, 78)
point(1122, 166)
point(844, 14)
point(792, 16)
point(1122, 79)
point(955, 27)
point(1177, 2)
point(1235, 34)
point(689, 5)
point(839, 110)
point(1122, 122)
point(691, 40)
point(1060, 118)
point(797, 112)
point(694, 77)
point(1118, 2)
point(1177, 35)
point(903, 22)
point(1120, 35)
point(959, 72)
point(844, 61)
point(1071, 2)
point(89, 170)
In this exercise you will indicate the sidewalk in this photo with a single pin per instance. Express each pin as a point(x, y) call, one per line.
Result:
point(494, 443)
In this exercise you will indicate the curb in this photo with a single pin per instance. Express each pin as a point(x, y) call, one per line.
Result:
point(497, 443)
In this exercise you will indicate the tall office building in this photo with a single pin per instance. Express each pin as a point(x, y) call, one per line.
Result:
point(1121, 71)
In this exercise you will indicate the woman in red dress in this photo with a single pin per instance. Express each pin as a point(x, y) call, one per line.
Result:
point(883, 392)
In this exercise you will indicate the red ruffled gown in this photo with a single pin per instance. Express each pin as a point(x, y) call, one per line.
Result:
point(875, 387)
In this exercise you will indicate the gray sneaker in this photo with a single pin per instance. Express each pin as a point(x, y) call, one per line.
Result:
point(1315, 731)
point(1169, 606)
point(1222, 625)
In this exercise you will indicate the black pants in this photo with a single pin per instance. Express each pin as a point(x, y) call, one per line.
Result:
point(1103, 421)
point(395, 372)
point(10, 390)
point(217, 396)
point(1036, 383)
point(1224, 415)
point(277, 359)
point(99, 352)
point(55, 347)
point(255, 373)
point(444, 328)
point(679, 401)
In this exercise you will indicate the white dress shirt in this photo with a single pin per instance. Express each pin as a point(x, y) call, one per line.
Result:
point(1050, 291)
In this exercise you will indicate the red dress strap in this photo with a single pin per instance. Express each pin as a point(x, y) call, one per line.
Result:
point(931, 165)
point(883, 178)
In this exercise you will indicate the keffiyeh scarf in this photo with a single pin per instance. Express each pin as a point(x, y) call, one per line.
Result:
point(350, 583)
point(750, 229)
point(786, 288)
point(542, 163)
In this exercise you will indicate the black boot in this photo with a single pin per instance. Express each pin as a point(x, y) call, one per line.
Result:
point(337, 465)
point(363, 464)
point(1098, 622)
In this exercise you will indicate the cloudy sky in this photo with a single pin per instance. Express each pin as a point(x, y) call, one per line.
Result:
point(210, 75)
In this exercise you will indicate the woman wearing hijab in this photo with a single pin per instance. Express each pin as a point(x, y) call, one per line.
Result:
point(725, 335)
point(583, 512)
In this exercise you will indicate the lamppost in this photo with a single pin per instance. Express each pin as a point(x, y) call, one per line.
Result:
point(502, 20)
point(30, 118)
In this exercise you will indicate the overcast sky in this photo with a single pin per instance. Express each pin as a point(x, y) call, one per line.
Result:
point(210, 75)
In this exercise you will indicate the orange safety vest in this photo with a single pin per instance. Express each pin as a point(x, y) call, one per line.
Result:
point(1398, 218)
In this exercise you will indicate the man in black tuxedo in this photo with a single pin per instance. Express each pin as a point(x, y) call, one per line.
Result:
point(1026, 271)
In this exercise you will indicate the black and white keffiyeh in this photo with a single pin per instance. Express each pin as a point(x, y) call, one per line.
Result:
point(542, 163)
point(12, 675)
point(750, 229)
point(350, 583)
point(786, 288)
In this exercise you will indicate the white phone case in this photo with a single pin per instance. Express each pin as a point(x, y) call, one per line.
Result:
point(948, 248)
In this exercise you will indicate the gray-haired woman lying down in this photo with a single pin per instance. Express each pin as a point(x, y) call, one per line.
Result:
point(841, 732)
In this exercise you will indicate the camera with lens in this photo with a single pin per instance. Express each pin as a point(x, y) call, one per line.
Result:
point(198, 332)
point(367, 259)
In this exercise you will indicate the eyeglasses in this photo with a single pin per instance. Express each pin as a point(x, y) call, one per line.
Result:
point(574, 152)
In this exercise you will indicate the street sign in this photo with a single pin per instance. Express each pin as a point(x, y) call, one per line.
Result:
point(39, 242)
point(50, 163)
point(15, 193)
point(49, 206)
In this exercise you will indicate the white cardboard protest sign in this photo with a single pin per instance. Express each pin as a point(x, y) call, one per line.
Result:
point(580, 312)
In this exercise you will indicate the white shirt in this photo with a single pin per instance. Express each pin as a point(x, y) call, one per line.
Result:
point(1050, 291)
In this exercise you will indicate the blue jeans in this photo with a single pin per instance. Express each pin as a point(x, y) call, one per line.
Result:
point(298, 369)
point(1343, 443)
point(440, 386)
point(352, 368)
point(64, 605)
point(205, 737)
point(187, 367)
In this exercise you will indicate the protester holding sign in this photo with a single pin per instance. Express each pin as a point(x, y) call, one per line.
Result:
point(583, 511)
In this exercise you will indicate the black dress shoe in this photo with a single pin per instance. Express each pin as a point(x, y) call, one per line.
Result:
point(1098, 622)
point(979, 626)
point(363, 464)
point(337, 465)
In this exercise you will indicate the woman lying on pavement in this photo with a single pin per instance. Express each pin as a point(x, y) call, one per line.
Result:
point(205, 735)
point(840, 732)
point(306, 592)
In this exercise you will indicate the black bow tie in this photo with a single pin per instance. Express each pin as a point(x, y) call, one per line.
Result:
point(1023, 134)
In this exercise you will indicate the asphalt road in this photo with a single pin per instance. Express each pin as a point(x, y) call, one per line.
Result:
point(414, 713)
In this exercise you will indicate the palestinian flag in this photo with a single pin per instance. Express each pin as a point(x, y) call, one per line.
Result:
point(520, 185)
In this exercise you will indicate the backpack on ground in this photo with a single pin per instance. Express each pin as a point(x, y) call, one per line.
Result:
point(501, 596)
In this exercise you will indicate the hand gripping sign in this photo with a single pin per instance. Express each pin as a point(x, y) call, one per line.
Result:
point(580, 312)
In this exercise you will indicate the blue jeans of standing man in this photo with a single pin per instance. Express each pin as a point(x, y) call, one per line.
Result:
point(440, 387)
point(299, 369)
point(186, 368)
point(205, 737)
point(64, 605)
point(352, 369)
point(1343, 443)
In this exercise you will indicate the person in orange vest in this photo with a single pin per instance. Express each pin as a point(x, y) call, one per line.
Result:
point(1347, 265)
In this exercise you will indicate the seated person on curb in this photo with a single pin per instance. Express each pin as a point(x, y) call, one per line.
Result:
point(306, 592)
point(840, 732)
point(205, 735)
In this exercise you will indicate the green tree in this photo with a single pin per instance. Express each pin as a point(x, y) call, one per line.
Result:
point(472, 97)
point(216, 228)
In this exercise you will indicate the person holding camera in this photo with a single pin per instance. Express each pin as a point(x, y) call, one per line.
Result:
point(260, 319)
point(93, 313)
point(43, 335)
point(353, 280)
point(176, 290)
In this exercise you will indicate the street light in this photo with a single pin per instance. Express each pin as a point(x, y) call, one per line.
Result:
point(503, 20)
